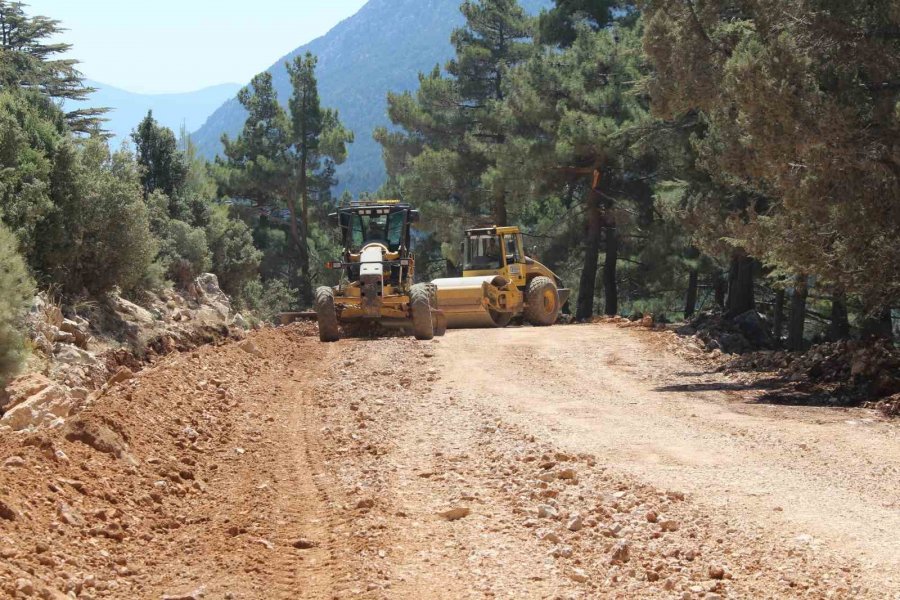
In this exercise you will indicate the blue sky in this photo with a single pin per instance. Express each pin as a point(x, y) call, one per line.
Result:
point(161, 46)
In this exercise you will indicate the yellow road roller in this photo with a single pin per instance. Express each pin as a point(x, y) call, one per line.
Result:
point(499, 284)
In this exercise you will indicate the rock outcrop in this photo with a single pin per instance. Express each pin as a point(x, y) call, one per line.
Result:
point(99, 346)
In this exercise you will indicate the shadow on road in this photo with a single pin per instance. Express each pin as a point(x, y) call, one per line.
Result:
point(773, 390)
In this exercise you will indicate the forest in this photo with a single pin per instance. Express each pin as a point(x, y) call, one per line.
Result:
point(665, 157)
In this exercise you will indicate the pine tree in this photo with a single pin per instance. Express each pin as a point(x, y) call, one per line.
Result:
point(799, 101)
point(29, 61)
point(282, 158)
point(454, 129)
point(164, 166)
point(579, 113)
point(319, 143)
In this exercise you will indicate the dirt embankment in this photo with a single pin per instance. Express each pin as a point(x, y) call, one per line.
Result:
point(474, 466)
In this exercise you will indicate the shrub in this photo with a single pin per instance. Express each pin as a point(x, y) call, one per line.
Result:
point(234, 257)
point(98, 236)
point(16, 291)
point(267, 299)
point(186, 252)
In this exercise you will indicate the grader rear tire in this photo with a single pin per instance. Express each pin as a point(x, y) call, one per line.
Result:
point(423, 326)
point(328, 323)
point(542, 302)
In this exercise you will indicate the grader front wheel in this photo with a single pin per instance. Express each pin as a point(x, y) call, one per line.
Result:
point(328, 323)
point(420, 306)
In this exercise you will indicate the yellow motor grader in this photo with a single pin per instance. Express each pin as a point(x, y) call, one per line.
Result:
point(378, 271)
point(499, 284)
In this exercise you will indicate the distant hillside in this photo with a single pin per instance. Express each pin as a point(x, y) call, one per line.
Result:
point(381, 48)
point(190, 109)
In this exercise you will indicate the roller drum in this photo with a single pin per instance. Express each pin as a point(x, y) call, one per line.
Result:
point(463, 301)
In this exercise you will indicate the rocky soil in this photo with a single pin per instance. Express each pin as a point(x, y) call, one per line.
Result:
point(278, 467)
point(79, 352)
point(844, 373)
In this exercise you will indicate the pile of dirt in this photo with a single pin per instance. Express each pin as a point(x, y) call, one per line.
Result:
point(101, 506)
point(850, 372)
point(747, 332)
point(644, 320)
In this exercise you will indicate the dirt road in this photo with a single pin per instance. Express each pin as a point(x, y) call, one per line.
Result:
point(572, 462)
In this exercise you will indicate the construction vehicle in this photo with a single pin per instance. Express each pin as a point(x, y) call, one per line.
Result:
point(378, 270)
point(500, 284)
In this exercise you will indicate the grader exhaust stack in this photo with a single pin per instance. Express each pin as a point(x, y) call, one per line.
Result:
point(499, 284)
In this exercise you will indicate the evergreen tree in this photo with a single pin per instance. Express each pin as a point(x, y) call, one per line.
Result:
point(164, 166)
point(799, 99)
point(580, 119)
point(281, 158)
point(454, 129)
point(319, 142)
point(559, 25)
point(29, 61)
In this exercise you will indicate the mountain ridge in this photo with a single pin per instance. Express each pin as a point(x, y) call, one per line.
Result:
point(173, 110)
point(386, 44)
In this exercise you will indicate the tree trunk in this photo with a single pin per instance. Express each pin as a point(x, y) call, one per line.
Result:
point(690, 303)
point(297, 240)
point(306, 293)
point(500, 216)
point(878, 324)
point(840, 322)
point(610, 286)
point(588, 281)
point(778, 319)
point(798, 314)
point(719, 288)
point(740, 285)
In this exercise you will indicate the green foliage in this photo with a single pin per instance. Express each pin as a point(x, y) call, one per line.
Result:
point(185, 251)
point(286, 159)
point(454, 128)
point(16, 291)
point(31, 131)
point(28, 61)
point(268, 299)
point(559, 25)
point(98, 235)
point(164, 167)
point(234, 258)
point(798, 104)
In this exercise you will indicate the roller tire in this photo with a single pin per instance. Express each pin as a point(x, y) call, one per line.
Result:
point(327, 316)
point(420, 307)
point(542, 302)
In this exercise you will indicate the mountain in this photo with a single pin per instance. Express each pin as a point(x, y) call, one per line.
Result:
point(381, 48)
point(190, 109)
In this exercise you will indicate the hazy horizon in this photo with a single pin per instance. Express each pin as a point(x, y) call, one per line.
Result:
point(141, 49)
